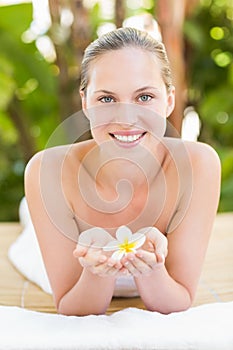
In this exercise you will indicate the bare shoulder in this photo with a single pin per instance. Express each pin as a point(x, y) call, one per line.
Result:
point(201, 150)
point(50, 179)
point(52, 159)
point(199, 169)
point(54, 155)
point(200, 155)
point(203, 157)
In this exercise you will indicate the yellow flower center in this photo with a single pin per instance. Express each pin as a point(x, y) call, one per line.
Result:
point(126, 246)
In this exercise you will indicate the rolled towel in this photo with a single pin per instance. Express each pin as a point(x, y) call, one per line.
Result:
point(24, 215)
point(25, 255)
point(206, 327)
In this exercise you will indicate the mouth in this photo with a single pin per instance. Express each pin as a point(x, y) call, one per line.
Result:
point(127, 138)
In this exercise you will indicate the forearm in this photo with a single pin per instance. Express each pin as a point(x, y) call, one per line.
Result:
point(92, 294)
point(160, 292)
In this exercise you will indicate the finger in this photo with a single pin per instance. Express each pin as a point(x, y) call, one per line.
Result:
point(112, 272)
point(131, 268)
point(102, 259)
point(149, 259)
point(104, 270)
point(123, 271)
point(116, 263)
point(160, 258)
point(84, 262)
point(79, 251)
point(152, 260)
point(157, 239)
point(106, 266)
point(91, 258)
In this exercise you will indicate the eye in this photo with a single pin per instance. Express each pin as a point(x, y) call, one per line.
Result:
point(106, 99)
point(144, 98)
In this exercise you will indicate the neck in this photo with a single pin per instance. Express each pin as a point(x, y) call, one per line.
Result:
point(110, 183)
point(113, 167)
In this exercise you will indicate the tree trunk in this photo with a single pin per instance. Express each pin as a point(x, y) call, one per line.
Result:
point(25, 140)
point(69, 55)
point(119, 12)
point(66, 107)
point(81, 37)
point(171, 16)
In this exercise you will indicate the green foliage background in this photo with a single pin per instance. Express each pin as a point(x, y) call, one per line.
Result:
point(29, 89)
point(209, 34)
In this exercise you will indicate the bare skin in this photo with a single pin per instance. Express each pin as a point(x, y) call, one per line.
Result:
point(71, 189)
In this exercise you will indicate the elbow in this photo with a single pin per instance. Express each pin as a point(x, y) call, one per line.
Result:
point(179, 308)
point(168, 309)
point(64, 309)
point(77, 310)
point(78, 313)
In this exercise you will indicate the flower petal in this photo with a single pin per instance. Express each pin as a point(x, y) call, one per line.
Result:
point(118, 255)
point(123, 233)
point(95, 237)
point(112, 245)
point(138, 239)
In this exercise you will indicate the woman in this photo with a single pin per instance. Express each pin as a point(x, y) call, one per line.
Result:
point(129, 176)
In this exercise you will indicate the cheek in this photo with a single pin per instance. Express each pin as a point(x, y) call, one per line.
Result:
point(156, 125)
point(100, 116)
point(154, 119)
point(98, 134)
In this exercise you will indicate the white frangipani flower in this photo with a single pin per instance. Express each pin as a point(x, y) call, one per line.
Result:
point(126, 242)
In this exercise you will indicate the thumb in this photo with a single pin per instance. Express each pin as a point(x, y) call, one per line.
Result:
point(156, 239)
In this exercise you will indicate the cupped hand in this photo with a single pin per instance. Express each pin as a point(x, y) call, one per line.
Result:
point(155, 242)
point(151, 255)
point(90, 254)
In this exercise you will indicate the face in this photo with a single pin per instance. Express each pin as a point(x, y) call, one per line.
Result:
point(126, 98)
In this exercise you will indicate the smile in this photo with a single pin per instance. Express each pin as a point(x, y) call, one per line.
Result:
point(127, 138)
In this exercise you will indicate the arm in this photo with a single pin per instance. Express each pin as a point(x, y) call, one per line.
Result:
point(171, 287)
point(76, 290)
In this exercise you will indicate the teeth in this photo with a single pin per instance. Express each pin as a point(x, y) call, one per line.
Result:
point(130, 138)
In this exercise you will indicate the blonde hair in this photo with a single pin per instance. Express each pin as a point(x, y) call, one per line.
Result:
point(119, 39)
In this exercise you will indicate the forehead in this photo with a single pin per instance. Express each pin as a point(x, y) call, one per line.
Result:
point(129, 62)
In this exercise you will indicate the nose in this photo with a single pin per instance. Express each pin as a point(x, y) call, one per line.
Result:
point(126, 113)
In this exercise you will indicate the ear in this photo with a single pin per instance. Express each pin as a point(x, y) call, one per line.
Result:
point(83, 100)
point(84, 103)
point(170, 101)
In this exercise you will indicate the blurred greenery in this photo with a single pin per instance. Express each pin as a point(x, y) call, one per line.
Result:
point(29, 96)
point(209, 34)
point(28, 90)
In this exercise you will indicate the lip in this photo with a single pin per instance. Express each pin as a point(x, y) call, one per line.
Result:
point(129, 144)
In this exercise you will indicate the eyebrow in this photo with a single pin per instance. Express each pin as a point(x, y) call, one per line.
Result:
point(147, 88)
point(138, 90)
point(104, 91)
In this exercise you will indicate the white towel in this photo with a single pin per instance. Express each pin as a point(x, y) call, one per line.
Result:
point(26, 256)
point(206, 327)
